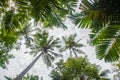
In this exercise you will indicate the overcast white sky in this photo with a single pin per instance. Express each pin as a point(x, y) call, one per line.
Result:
point(21, 60)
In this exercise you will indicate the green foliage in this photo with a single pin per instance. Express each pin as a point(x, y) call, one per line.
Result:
point(7, 42)
point(72, 45)
point(45, 45)
point(4, 57)
point(30, 77)
point(100, 11)
point(49, 12)
point(75, 68)
point(56, 72)
point(41, 38)
point(27, 77)
point(107, 41)
point(15, 15)
point(102, 17)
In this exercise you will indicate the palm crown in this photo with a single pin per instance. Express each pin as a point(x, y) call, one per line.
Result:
point(45, 46)
point(14, 14)
point(72, 45)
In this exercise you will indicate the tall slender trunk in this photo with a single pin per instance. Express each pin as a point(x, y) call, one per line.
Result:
point(19, 77)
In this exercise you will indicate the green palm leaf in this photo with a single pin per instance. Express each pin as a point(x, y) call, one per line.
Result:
point(49, 12)
point(4, 58)
point(45, 45)
point(99, 11)
point(107, 43)
point(71, 45)
point(96, 14)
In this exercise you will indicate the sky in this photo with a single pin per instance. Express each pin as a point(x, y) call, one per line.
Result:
point(21, 59)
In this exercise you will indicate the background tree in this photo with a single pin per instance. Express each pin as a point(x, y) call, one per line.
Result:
point(72, 45)
point(75, 69)
point(14, 14)
point(56, 72)
point(43, 46)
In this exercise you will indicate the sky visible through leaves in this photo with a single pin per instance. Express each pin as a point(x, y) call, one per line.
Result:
point(21, 60)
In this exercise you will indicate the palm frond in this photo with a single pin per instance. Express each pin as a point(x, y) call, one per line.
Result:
point(64, 39)
point(107, 43)
point(99, 11)
point(74, 52)
point(55, 54)
point(109, 50)
point(8, 78)
point(48, 59)
point(4, 57)
point(62, 49)
point(79, 45)
point(49, 12)
point(45, 45)
point(79, 51)
point(54, 43)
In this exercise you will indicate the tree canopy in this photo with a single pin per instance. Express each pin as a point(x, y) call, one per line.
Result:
point(72, 45)
point(26, 19)
point(103, 18)
point(16, 15)
point(77, 69)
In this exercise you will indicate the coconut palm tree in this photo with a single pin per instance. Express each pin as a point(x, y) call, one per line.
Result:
point(43, 46)
point(72, 45)
point(14, 14)
point(102, 17)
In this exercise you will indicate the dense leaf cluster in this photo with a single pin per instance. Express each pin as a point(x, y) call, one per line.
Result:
point(103, 18)
point(18, 18)
point(77, 69)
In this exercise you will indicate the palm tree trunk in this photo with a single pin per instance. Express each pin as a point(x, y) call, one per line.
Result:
point(19, 77)
point(75, 53)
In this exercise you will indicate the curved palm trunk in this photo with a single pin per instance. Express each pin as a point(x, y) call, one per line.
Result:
point(19, 77)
